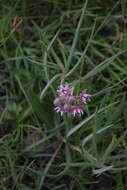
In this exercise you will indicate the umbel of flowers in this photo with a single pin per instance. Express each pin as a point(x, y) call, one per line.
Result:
point(66, 102)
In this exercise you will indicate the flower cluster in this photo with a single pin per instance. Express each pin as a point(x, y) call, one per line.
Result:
point(66, 102)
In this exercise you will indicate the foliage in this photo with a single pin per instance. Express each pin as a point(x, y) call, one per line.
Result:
point(43, 44)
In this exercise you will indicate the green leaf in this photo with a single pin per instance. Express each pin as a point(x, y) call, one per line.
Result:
point(103, 169)
point(44, 109)
point(109, 149)
point(112, 146)
point(119, 110)
point(77, 127)
point(76, 36)
point(91, 135)
point(103, 65)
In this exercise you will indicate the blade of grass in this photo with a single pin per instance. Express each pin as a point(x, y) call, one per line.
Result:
point(76, 37)
point(48, 85)
point(46, 55)
point(102, 170)
point(86, 139)
point(106, 18)
point(118, 111)
point(113, 145)
point(109, 88)
point(84, 53)
point(77, 127)
point(102, 65)
point(48, 166)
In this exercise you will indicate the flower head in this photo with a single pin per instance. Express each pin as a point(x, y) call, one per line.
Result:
point(84, 97)
point(59, 109)
point(64, 90)
point(76, 110)
point(66, 102)
point(67, 108)
point(71, 99)
point(57, 101)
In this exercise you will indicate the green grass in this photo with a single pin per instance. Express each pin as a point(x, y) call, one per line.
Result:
point(43, 44)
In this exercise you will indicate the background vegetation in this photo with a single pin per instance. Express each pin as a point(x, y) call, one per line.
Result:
point(44, 43)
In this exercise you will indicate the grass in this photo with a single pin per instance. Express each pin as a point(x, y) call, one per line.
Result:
point(43, 44)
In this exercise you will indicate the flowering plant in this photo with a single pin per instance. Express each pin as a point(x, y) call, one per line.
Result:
point(66, 102)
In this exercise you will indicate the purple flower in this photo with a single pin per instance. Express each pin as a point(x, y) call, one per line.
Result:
point(71, 99)
point(64, 90)
point(66, 102)
point(84, 97)
point(57, 101)
point(76, 110)
point(67, 108)
point(60, 100)
point(59, 109)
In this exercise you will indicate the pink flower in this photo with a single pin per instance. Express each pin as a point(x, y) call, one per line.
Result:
point(60, 100)
point(67, 108)
point(71, 99)
point(76, 110)
point(84, 97)
point(67, 103)
point(57, 101)
point(64, 90)
point(59, 109)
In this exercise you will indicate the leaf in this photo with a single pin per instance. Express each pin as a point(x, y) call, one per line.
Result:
point(47, 167)
point(77, 127)
point(103, 65)
point(76, 36)
point(101, 170)
point(110, 148)
point(91, 135)
point(119, 110)
point(25, 113)
point(48, 85)
point(44, 109)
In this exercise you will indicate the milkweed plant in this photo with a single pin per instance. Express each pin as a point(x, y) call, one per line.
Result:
point(67, 103)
